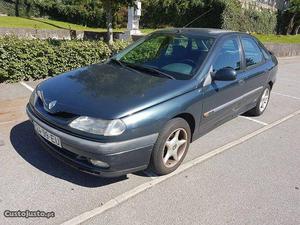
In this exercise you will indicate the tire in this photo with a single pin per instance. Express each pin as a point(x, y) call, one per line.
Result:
point(262, 103)
point(167, 148)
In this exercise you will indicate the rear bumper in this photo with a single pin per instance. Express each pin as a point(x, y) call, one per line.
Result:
point(122, 157)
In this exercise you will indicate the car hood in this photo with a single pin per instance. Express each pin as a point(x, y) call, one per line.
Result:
point(108, 91)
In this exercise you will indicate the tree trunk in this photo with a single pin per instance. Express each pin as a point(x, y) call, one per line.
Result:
point(291, 24)
point(17, 5)
point(28, 7)
point(109, 22)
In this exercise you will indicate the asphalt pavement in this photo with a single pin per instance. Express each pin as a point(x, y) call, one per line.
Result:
point(244, 172)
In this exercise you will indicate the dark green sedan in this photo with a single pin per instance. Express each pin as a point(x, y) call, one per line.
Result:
point(144, 106)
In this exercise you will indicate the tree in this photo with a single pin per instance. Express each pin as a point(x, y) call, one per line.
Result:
point(294, 11)
point(164, 13)
point(28, 4)
point(111, 7)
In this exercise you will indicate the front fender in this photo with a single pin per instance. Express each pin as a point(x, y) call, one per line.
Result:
point(153, 119)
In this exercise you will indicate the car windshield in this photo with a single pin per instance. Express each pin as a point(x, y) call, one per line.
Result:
point(176, 55)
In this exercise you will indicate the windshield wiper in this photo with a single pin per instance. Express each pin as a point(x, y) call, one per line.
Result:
point(160, 72)
point(151, 70)
point(117, 62)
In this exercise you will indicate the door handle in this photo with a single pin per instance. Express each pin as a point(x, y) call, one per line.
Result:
point(241, 82)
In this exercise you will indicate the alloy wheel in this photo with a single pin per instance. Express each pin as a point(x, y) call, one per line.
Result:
point(264, 100)
point(175, 147)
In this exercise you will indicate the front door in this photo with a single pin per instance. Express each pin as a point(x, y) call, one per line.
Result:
point(222, 99)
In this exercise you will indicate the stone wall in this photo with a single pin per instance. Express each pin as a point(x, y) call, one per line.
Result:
point(62, 34)
point(40, 34)
point(284, 50)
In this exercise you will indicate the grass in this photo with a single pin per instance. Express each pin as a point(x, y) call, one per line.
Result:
point(48, 24)
point(272, 38)
point(37, 23)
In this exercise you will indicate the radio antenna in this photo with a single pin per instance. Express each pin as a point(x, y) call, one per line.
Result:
point(203, 14)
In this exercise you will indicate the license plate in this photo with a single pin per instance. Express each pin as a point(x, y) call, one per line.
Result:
point(47, 135)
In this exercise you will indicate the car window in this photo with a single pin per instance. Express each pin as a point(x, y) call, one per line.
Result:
point(228, 56)
point(253, 53)
point(181, 42)
point(179, 55)
point(264, 51)
point(148, 51)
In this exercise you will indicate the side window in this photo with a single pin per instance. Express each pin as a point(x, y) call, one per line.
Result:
point(253, 53)
point(228, 56)
point(264, 51)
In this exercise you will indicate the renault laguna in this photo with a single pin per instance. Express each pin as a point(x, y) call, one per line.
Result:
point(144, 106)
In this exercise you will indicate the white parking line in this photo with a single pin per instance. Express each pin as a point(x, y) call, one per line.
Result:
point(289, 96)
point(27, 86)
point(254, 120)
point(143, 187)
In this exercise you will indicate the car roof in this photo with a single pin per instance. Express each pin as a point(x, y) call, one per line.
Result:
point(211, 32)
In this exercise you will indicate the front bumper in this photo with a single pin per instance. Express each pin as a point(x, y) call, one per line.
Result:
point(123, 157)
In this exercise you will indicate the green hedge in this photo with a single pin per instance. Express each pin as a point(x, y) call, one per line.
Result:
point(235, 17)
point(36, 59)
point(226, 14)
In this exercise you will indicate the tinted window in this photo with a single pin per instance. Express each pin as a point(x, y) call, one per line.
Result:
point(253, 53)
point(228, 56)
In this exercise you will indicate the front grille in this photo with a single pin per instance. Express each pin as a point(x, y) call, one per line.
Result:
point(59, 124)
point(46, 120)
point(39, 106)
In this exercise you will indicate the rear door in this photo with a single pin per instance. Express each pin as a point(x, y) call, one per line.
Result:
point(223, 98)
point(254, 74)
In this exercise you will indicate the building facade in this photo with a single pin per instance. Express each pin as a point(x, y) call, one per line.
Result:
point(273, 5)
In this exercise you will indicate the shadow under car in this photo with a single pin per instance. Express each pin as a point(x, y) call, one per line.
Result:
point(25, 143)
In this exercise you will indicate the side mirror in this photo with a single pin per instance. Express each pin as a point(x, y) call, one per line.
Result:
point(225, 74)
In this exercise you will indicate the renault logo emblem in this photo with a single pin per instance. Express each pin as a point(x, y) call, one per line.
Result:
point(52, 104)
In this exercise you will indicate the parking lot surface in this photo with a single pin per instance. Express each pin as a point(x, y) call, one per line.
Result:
point(244, 172)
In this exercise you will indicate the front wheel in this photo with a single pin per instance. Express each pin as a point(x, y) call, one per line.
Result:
point(171, 147)
point(261, 104)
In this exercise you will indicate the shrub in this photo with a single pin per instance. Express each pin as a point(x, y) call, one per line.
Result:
point(119, 45)
point(249, 19)
point(36, 59)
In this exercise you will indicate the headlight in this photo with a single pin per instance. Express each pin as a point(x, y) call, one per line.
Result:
point(33, 98)
point(35, 95)
point(98, 126)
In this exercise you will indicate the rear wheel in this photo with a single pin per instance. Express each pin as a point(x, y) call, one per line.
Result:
point(261, 104)
point(171, 147)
